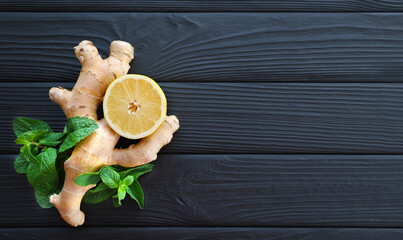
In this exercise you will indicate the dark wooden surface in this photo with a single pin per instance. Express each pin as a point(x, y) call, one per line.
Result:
point(204, 6)
point(251, 117)
point(97, 233)
point(210, 47)
point(291, 115)
point(204, 190)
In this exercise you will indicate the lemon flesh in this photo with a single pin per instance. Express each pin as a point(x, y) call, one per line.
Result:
point(134, 106)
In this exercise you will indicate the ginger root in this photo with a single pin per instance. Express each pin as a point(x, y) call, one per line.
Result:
point(98, 149)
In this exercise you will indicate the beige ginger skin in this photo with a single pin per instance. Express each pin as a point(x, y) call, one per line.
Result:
point(98, 149)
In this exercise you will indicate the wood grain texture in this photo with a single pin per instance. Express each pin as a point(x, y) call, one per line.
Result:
point(250, 118)
point(237, 190)
point(129, 233)
point(204, 6)
point(210, 47)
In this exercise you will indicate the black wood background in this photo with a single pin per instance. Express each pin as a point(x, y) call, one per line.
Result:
point(291, 115)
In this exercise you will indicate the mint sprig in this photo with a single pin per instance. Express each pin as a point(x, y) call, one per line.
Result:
point(39, 158)
point(114, 181)
point(44, 152)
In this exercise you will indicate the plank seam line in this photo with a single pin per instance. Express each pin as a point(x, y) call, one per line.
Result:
point(266, 154)
point(229, 82)
point(51, 10)
point(213, 227)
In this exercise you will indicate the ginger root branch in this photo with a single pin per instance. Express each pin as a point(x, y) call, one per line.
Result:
point(146, 150)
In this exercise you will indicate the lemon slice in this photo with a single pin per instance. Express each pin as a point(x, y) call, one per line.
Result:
point(134, 106)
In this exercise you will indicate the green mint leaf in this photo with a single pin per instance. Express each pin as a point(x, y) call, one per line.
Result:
point(116, 201)
point(22, 140)
point(135, 191)
point(43, 200)
point(100, 187)
point(35, 150)
point(31, 136)
point(47, 157)
point(52, 139)
point(21, 164)
point(91, 178)
point(119, 169)
point(26, 151)
point(26, 137)
point(22, 125)
point(127, 181)
point(38, 135)
point(110, 177)
point(76, 130)
point(42, 174)
point(99, 194)
point(136, 172)
point(60, 159)
point(87, 179)
point(121, 193)
point(34, 135)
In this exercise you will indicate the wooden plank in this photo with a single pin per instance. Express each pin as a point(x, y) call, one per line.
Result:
point(250, 118)
point(210, 47)
point(126, 233)
point(238, 190)
point(204, 6)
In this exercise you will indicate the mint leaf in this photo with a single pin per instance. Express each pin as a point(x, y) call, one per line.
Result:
point(22, 140)
point(60, 159)
point(43, 200)
point(90, 178)
point(135, 191)
point(52, 139)
point(116, 201)
point(76, 130)
point(137, 171)
point(100, 187)
point(87, 179)
point(20, 164)
point(120, 196)
point(47, 157)
point(99, 194)
point(121, 193)
point(127, 181)
point(110, 177)
point(22, 125)
point(42, 174)
point(38, 135)
point(26, 151)
point(34, 150)
point(119, 169)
